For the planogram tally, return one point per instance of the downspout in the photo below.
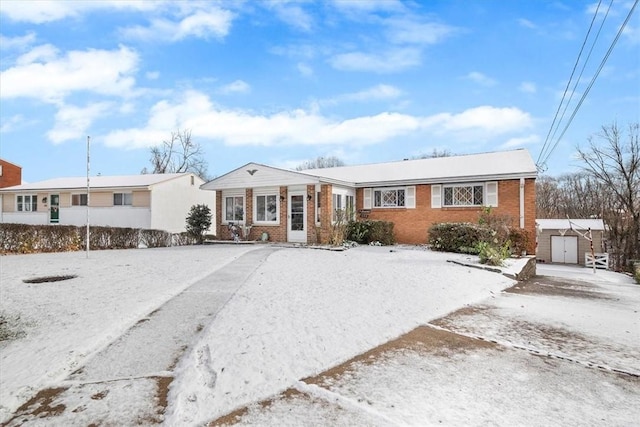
(521, 202)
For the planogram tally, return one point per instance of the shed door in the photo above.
(564, 249)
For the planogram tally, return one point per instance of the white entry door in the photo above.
(564, 249)
(297, 217)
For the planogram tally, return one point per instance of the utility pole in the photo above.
(88, 190)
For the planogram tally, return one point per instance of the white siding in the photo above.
(171, 201)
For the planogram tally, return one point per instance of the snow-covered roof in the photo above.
(484, 166)
(566, 224)
(120, 181)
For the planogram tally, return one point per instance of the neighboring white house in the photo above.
(149, 201)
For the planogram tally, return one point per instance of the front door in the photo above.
(54, 209)
(297, 216)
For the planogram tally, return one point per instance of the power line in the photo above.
(593, 79)
(575, 66)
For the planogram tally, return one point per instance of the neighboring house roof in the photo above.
(566, 224)
(79, 183)
(484, 166)
(8, 162)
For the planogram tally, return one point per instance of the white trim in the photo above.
(367, 195)
(265, 192)
(233, 193)
(466, 184)
(396, 206)
(490, 195)
(521, 202)
(436, 196)
(410, 197)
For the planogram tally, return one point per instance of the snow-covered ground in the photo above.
(291, 315)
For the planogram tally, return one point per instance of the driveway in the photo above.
(562, 348)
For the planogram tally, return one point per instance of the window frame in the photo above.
(386, 189)
(21, 202)
(471, 185)
(275, 193)
(234, 196)
(81, 196)
(123, 196)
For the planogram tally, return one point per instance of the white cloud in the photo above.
(520, 142)
(528, 87)
(483, 120)
(73, 122)
(390, 61)
(203, 24)
(235, 127)
(410, 31)
(375, 93)
(238, 86)
(11, 123)
(527, 24)
(46, 75)
(291, 14)
(19, 42)
(42, 11)
(305, 69)
(481, 79)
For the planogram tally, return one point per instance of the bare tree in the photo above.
(434, 153)
(320, 162)
(178, 154)
(614, 162)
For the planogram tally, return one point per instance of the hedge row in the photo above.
(365, 232)
(25, 238)
(465, 237)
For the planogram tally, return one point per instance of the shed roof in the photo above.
(566, 224)
(120, 181)
(484, 166)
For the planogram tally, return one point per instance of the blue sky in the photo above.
(282, 82)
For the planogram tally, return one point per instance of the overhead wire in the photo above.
(593, 79)
(564, 94)
(545, 155)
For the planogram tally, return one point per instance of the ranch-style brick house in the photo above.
(300, 206)
(149, 201)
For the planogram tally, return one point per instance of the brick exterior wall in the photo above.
(11, 174)
(411, 225)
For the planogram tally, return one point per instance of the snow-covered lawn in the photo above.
(279, 315)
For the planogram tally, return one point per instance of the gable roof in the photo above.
(566, 224)
(257, 175)
(79, 183)
(485, 166)
(481, 167)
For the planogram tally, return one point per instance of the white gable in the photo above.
(255, 175)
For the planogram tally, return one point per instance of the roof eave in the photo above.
(447, 180)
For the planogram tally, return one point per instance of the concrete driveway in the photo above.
(562, 348)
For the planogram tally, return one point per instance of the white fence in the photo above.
(600, 260)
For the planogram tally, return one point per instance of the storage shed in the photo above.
(562, 241)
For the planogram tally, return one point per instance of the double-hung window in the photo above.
(122, 199)
(234, 208)
(266, 208)
(78, 200)
(463, 195)
(389, 198)
(27, 202)
(338, 213)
